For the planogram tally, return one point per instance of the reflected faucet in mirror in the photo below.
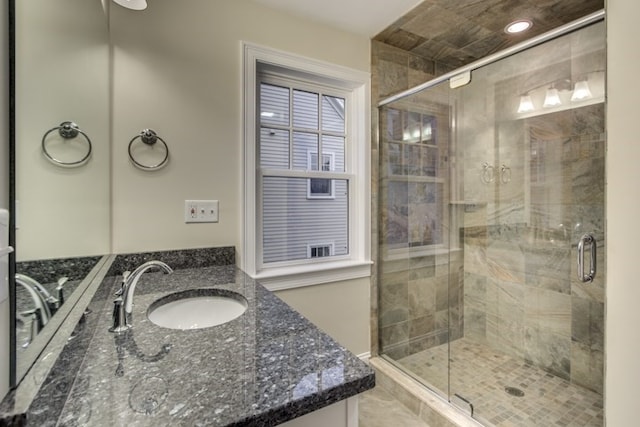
(43, 305)
(126, 342)
(35, 317)
(123, 304)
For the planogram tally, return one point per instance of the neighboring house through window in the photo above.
(320, 188)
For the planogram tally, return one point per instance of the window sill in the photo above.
(276, 279)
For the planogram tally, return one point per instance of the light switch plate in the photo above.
(200, 211)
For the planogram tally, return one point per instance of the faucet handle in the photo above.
(125, 277)
(59, 291)
(35, 315)
(119, 320)
(35, 324)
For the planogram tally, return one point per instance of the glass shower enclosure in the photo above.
(491, 269)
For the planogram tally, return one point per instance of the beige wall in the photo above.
(340, 309)
(178, 70)
(622, 370)
(4, 188)
(62, 74)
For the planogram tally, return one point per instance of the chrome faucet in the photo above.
(53, 303)
(39, 295)
(123, 304)
(39, 315)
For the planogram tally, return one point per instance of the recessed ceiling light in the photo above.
(518, 26)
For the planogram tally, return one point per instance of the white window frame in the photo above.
(357, 165)
(332, 183)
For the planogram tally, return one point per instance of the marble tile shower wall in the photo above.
(392, 70)
(522, 296)
(417, 300)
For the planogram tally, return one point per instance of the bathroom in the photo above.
(189, 93)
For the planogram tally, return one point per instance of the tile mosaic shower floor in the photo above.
(482, 376)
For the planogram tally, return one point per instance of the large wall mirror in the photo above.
(61, 157)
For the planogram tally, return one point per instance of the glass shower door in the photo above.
(413, 274)
(528, 147)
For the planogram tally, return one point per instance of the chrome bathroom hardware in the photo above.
(149, 137)
(68, 131)
(123, 304)
(41, 313)
(467, 402)
(505, 174)
(488, 173)
(587, 239)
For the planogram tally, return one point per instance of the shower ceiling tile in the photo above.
(433, 50)
(404, 39)
(482, 47)
(457, 32)
(421, 64)
(432, 22)
(458, 39)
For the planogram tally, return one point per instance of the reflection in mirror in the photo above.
(42, 288)
(62, 212)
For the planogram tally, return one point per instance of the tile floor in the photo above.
(481, 376)
(377, 408)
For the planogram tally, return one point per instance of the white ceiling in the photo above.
(364, 17)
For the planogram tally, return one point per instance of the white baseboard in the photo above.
(365, 356)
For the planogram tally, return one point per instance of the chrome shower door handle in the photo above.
(587, 239)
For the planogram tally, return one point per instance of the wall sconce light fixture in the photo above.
(552, 98)
(581, 91)
(526, 104)
(558, 94)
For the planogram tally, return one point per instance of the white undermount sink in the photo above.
(197, 308)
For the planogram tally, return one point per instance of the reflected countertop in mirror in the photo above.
(42, 289)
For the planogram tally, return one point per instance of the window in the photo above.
(414, 179)
(297, 121)
(306, 170)
(320, 250)
(319, 188)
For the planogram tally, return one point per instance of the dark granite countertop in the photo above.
(265, 367)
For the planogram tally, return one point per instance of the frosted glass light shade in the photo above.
(552, 98)
(581, 91)
(132, 4)
(526, 104)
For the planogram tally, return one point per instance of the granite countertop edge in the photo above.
(292, 410)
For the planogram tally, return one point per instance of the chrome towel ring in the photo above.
(149, 138)
(68, 131)
(488, 173)
(505, 174)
